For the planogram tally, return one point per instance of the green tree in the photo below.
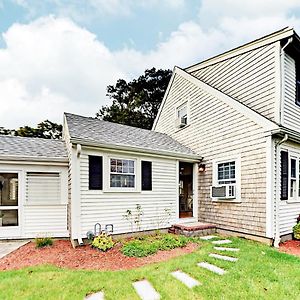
(45, 129)
(136, 103)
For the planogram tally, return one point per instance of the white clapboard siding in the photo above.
(110, 207)
(291, 111)
(43, 188)
(248, 77)
(218, 131)
(45, 220)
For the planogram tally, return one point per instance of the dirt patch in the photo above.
(62, 254)
(290, 247)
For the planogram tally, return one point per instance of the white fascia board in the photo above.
(34, 159)
(248, 112)
(164, 99)
(136, 149)
(243, 49)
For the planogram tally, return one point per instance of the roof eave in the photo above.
(292, 134)
(89, 143)
(33, 159)
(269, 39)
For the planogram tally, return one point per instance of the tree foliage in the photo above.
(45, 129)
(136, 103)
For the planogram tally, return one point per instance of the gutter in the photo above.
(136, 149)
(33, 159)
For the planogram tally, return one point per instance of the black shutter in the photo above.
(146, 175)
(284, 175)
(95, 173)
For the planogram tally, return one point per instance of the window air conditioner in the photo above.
(225, 191)
(180, 122)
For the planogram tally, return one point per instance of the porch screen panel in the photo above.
(284, 163)
(43, 188)
(146, 175)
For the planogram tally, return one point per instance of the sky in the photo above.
(60, 55)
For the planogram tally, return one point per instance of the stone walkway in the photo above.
(146, 291)
(7, 247)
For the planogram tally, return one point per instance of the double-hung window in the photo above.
(182, 115)
(122, 173)
(227, 175)
(293, 178)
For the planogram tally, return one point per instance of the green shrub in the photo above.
(170, 241)
(151, 244)
(139, 248)
(103, 242)
(43, 242)
(296, 231)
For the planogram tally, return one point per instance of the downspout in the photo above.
(78, 154)
(281, 79)
(277, 200)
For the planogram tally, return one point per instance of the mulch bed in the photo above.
(62, 254)
(290, 247)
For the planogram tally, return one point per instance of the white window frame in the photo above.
(237, 184)
(180, 107)
(122, 189)
(296, 156)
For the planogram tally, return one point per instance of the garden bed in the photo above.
(62, 254)
(290, 247)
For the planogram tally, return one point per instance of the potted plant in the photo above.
(296, 229)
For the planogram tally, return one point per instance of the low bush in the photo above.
(103, 242)
(151, 244)
(296, 231)
(41, 242)
(138, 248)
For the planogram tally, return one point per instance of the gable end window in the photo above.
(146, 176)
(122, 173)
(182, 116)
(95, 172)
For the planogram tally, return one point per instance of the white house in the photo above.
(224, 150)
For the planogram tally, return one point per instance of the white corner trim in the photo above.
(248, 112)
(269, 187)
(164, 99)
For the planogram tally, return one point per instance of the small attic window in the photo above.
(181, 116)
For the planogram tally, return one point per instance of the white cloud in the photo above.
(52, 65)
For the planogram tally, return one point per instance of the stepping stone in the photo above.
(185, 279)
(221, 242)
(227, 249)
(145, 290)
(208, 237)
(211, 268)
(95, 296)
(223, 257)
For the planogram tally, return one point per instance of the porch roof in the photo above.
(32, 149)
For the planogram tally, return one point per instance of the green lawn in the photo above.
(260, 273)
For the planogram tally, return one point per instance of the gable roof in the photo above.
(263, 41)
(247, 111)
(94, 132)
(32, 149)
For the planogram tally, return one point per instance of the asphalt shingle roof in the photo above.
(103, 132)
(32, 147)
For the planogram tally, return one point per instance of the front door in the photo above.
(185, 190)
(9, 205)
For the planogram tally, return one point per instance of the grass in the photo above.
(260, 273)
